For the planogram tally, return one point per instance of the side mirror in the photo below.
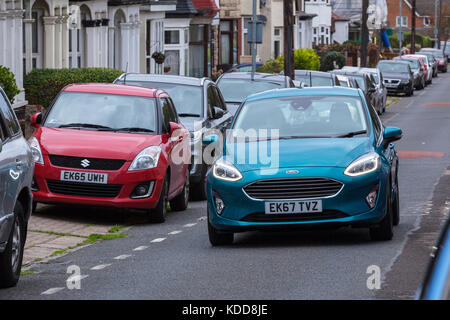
(218, 113)
(372, 90)
(391, 134)
(174, 127)
(212, 138)
(36, 120)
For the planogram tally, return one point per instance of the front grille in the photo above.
(325, 215)
(86, 163)
(293, 188)
(84, 189)
(392, 81)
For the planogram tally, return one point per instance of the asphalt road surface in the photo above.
(174, 260)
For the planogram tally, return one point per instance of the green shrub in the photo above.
(328, 60)
(8, 83)
(306, 59)
(272, 66)
(42, 85)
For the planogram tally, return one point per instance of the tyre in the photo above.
(217, 238)
(396, 207)
(180, 202)
(158, 214)
(384, 231)
(198, 191)
(11, 258)
(33, 209)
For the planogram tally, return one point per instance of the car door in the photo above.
(176, 168)
(382, 88)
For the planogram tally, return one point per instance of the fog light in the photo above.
(34, 185)
(142, 190)
(371, 198)
(219, 204)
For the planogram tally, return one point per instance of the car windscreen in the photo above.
(413, 63)
(321, 81)
(393, 67)
(302, 117)
(375, 76)
(103, 112)
(186, 98)
(236, 90)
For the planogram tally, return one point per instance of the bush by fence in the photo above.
(42, 85)
(8, 83)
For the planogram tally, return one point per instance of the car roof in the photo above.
(310, 91)
(359, 69)
(394, 62)
(258, 76)
(111, 88)
(162, 78)
(349, 73)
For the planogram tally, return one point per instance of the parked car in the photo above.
(236, 86)
(379, 83)
(198, 102)
(431, 60)
(436, 285)
(336, 166)
(446, 49)
(439, 56)
(426, 68)
(416, 68)
(366, 82)
(398, 76)
(244, 67)
(111, 145)
(16, 175)
(427, 63)
(313, 78)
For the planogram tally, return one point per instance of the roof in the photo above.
(313, 73)
(349, 73)
(162, 78)
(258, 76)
(130, 2)
(296, 92)
(393, 62)
(110, 88)
(185, 8)
(208, 7)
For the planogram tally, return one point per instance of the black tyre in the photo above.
(33, 209)
(11, 258)
(396, 207)
(384, 231)
(217, 238)
(180, 202)
(158, 214)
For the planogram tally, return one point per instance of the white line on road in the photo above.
(140, 248)
(175, 232)
(52, 291)
(158, 240)
(101, 266)
(77, 278)
(189, 225)
(122, 257)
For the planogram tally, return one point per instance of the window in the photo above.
(247, 46)
(169, 114)
(172, 37)
(426, 21)
(377, 126)
(9, 115)
(228, 42)
(403, 20)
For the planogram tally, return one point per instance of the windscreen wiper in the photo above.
(84, 125)
(189, 115)
(351, 134)
(134, 129)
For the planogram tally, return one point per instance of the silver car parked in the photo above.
(16, 175)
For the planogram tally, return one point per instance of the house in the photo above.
(321, 23)
(423, 20)
(339, 28)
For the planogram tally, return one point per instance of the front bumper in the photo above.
(347, 207)
(127, 180)
(400, 88)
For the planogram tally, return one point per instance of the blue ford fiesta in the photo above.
(300, 158)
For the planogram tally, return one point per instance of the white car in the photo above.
(428, 65)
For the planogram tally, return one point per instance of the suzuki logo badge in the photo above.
(85, 163)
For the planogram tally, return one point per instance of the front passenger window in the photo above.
(9, 115)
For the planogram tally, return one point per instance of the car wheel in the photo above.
(11, 258)
(396, 208)
(217, 238)
(33, 208)
(180, 202)
(158, 214)
(384, 231)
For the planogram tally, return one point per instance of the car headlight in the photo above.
(36, 150)
(146, 159)
(224, 170)
(365, 164)
(405, 81)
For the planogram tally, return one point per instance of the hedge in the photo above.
(8, 83)
(272, 66)
(306, 59)
(328, 61)
(42, 85)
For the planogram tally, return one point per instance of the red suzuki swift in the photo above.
(111, 145)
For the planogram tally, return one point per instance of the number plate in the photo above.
(289, 207)
(87, 177)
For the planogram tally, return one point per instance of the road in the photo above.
(174, 260)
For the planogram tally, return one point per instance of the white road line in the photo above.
(189, 225)
(52, 291)
(140, 248)
(175, 232)
(77, 278)
(101, 266)
(122, 257)
(158, 240)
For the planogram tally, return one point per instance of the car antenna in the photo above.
(125, 77)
